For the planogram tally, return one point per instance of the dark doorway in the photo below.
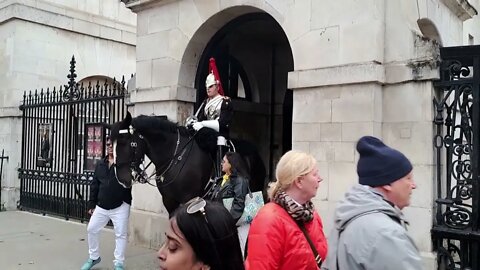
(253, 57)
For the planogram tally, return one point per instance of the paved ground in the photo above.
(30, 241)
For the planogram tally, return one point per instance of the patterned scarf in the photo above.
(300, 213)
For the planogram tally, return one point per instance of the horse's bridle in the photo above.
(177, 156)
(138, 173)
(135, 164)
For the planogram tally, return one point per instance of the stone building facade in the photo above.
(37, 41)
(320, 74)
(309, 75)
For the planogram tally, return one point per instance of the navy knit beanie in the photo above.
(379, 164)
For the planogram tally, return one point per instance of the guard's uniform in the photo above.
(216, 113)
(218, 109)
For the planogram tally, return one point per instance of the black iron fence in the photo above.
(63, 137)
(456, 233)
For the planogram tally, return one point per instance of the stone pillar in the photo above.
(329, 119)
(408, 126)
(158, 91)
(333, 107)
(10, 141)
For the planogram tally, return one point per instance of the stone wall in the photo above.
(38, 39)
(471, 32)
(360, 68)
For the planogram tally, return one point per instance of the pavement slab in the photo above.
(31, 241)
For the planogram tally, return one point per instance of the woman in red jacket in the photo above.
(276, 240)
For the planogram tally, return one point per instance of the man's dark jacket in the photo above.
(105, 191)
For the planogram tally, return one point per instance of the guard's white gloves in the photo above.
(213, 124)
(190, 121)
(197, 126)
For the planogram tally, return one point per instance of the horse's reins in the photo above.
(147, 179)
(171, 160)
(181, 168)
(159, 178)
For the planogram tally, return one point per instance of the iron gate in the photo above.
(456, 234)
(63, 135)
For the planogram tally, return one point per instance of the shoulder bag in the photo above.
(253, 203)
(318, 259)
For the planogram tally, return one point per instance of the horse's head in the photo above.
(129, 148)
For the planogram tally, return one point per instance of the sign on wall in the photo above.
(94, 145)
(44, 145)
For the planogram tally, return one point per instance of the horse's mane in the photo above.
(155, 124)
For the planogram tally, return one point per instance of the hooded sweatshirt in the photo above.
(370, 233)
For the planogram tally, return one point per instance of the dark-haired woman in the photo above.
(234, 185)
(202, 236)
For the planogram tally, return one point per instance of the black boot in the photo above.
(221, 150)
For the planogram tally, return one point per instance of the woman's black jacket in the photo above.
(237, 188)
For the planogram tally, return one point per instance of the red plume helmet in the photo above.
(213, 70)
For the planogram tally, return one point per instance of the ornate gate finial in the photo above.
(71, 90)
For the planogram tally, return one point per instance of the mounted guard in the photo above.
(215, 112)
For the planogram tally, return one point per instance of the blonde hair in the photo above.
(291, 165)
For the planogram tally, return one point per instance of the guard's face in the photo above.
(212, 91)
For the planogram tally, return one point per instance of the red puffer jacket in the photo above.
(275, 242)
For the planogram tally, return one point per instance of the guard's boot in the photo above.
(221, 150)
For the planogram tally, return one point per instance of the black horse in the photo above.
(183, 166)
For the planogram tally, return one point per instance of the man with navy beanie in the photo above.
(370, 230)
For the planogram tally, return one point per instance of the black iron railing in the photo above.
(456, 232)
(54, 172)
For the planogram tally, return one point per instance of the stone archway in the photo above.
(171, 40)
(254, 57)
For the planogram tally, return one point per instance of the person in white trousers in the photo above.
(108, 201)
